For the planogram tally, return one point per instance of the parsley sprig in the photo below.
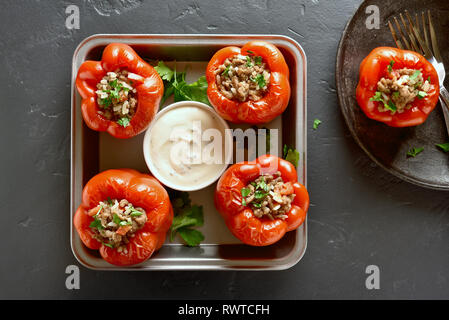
(291, 155)
(187, 216)
(176, 85)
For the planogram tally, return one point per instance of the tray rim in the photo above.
(338, 67)
(293, 257)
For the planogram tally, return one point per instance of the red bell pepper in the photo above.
(376, 66)
(148, 84)
(255, 112)
(142, 190)
(240, 219)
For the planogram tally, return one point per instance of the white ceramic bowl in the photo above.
(148, 154)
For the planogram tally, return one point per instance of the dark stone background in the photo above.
(360, 215)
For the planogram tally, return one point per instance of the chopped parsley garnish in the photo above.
(248, 62)
(391, 106)
(96, 223)
(388, 105)
(415, 75)
(164, 72)
(413, 152)
(260, 80)
(108, 245)
(291, 155)
(106, 102)
(443, 146)
(116, 219)
(110, 202)
(250, 52)
(226, 71)
(186, 217)
(124, 122)
(245, 192)
(396, 94)
(390, 66)
(422, 94)
(258, 60)
(428, 79)
(316, 123)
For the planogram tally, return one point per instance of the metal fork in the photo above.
(423, 46)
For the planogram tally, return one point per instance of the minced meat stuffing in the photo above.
(117, 97)
(269, 196)
(115, 222)
(400, 88)
(243, 78)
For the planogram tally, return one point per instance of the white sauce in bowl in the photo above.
(185, 146)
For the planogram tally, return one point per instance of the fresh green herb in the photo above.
(226, 71)
(108, 245)
(258, 60)
(422, 94)
(106, 102)
(443, 146)
(250, 52)
(396, 94)
(417, 85)
(248, 62)
(124, 122)
(110, 202)
(136, 213)
(415, 75)
(175, 84)
(263, 185)
(428, 79)
(413, 152)
(192, 237)
(291, 155)
(125, 223)
(245, 192)
(113, 83)
(257, 204)
(391, 106)
(388, 105)
(116, 219)
(260, 80)
(258, 194)
(377, 97)
(114, 94)
(164, 72)
(316, 123)
(96, 223)
(186, 217)
(390, 66)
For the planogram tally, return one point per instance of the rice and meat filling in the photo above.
(117, 97)
(115, 222)
(269, 196)
(243, 78)
(400, 88)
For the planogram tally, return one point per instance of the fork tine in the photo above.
(416, 32)
(424, 27)
(404, 39)
(393, 33)
(433, 37)
(410, 32)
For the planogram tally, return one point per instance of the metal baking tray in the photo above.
(93, 152)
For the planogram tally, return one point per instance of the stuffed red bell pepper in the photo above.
(397, 87)
(248, 84)
(261, 200)
(125, 214)
(121, 93)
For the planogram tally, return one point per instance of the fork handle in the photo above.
(444, 97)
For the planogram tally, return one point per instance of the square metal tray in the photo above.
(93, 152)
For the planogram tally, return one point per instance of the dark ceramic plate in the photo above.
(388, 146)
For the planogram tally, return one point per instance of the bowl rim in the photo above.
(147, 148)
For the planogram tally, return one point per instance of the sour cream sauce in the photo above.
(183, 146)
